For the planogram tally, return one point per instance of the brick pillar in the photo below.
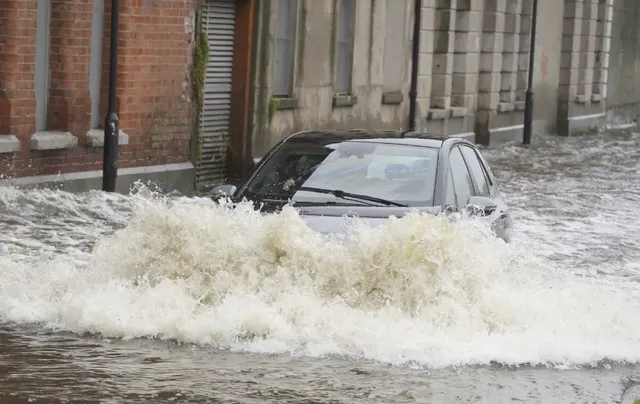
(490, 67)
(17, 66)
(153, 91)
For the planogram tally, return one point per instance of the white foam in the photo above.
(419, 289)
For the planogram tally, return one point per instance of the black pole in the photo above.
(111, 131)
(528, 103)
(415, 68)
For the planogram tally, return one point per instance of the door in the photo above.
(218, 24)
(483, 186)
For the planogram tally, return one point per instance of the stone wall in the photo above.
(624, 70)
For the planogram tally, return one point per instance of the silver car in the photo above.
(328, 175)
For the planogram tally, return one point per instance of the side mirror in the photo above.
(223, 190)
(480, 205)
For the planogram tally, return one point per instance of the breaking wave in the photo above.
(421, 289)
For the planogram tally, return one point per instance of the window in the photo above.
(477, 172)
(95, 71)
(450, 196)
(400, 173)
(284, 48)
(461, 177)
(394, 45)
(41, 76)
(344, 45)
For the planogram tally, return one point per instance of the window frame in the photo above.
(272, 161)
(473, 189)
(482, 168)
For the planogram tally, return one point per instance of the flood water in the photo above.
(144, 298)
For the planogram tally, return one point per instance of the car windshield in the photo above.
(400, 174)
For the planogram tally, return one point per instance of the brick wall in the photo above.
(17, 60)
(153, 91)
(70, 48)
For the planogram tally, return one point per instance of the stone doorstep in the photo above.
(95, 138)
(52, 140)
(9, 144)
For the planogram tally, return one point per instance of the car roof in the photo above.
(409, 138)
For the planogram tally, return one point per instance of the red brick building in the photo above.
(54, 62)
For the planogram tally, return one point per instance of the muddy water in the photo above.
(114, 299)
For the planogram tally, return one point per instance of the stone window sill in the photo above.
(438, 114)
(459, 112)
(340, 100)
(52, 140)
(286, 103)
(95, 138)
(392, 98)
(582, 99)
(9, 144)
(506, 107)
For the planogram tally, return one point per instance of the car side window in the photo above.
(450, 196)
(477, 172)
(462, 182)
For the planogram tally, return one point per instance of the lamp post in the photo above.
(528, 103)
(111, 130)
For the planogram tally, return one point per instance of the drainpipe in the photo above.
(528, 103)
(111, 130)
(415, 56)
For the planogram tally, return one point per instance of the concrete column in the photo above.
(443, 52)
(423, 100)
(576, 112)
(570, 56)
(510, 50)
(587, 50)
(602, 49)
(466, 56)
(490, 66)
(526, 12)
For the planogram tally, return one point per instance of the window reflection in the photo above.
(400, 173)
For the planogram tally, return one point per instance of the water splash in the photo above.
(420, 289)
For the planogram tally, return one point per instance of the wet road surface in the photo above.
(244, 312)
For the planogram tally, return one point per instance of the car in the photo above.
(328, 175)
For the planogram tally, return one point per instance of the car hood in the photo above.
(331, 220)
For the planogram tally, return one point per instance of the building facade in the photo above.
(54, 61)
(323, 64)
(204, 87)
(473, 66)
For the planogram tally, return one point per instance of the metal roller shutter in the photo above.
(218, 23)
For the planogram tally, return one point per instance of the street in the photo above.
(250, 309)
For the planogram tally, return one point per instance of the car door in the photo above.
(483, 186)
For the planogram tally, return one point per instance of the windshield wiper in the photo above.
(347, 195)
